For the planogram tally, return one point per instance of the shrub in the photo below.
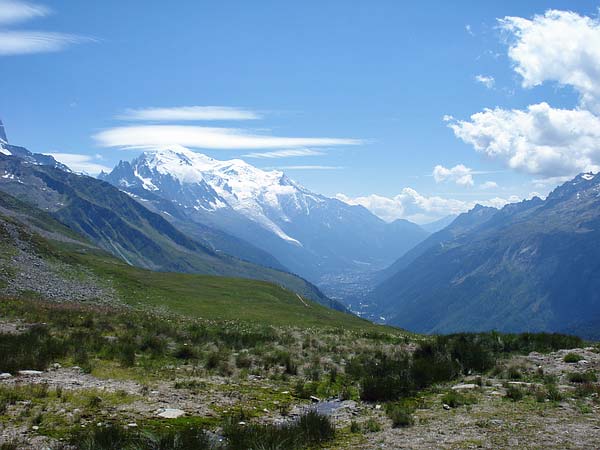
(514, 373)
(572, 358)
(554, 394)
(578, 377)
(212, 360)
(243, 361)
(10, 445)
(400, 415)
(111, 437)
(311, 429)
(540, 395)
(587, 390)
(185, 352)
(186, 438)
(455, 399)
(34, 349)
(116, 437)
(372, 426)
(515, 393)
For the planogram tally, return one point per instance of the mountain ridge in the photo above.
(526, 267)
(311, 234)
(124, 227)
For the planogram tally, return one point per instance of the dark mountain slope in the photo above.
(530, 266)
(462, 224)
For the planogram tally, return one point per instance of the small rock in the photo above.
(35, 428)
(377, 406)
(315, 399)
(5, 375)
(241, 423)
(30, 372)
(132, 425)
(56, 366)
(446, 407)
(460, 387)
(171, 413)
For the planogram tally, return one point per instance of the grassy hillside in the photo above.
(55, 255)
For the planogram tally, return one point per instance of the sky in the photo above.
(415, 110)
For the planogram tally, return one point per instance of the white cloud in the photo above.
(487, 81)
(13, 11)
(560, 46)
(552, 143)
(460, 174)
(541, 140)
(152, 136)
(81, 163)
(308, 168)
(284, 154)
(489, 185)
(469, 30)
(27, 42)
(23, 42)
(411, 205)
(190, 113)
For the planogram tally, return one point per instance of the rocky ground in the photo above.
(23, 271)
(489, 419)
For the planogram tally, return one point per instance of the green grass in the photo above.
(195, 296)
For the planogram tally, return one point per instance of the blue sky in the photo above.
(378, 76)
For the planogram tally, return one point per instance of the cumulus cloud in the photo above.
(190, 113)
(487, 81)
(560, 46)
(81, 163)
(459, 174)
(552, 143)
(12, 11)
(22, 42)
(418, 208)
(152, 136)
(540, 140)
(489, 185)
(284, 153)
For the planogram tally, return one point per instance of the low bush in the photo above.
(401, 415)
(34, 349)
(514, 393)
(311, 429)
(116, 437)
(582, 377)
(572, 358)
(455, 399)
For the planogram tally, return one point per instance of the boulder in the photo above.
(171, 413)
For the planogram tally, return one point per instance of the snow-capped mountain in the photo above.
(3, 139)
(7, 149)
(311, 234)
